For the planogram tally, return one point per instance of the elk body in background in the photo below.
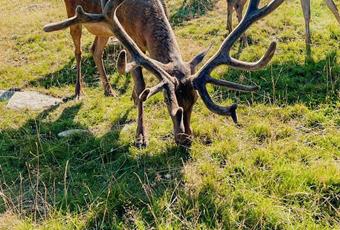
(238, 6)
(102, 35)
(142, 26)
(306, 13)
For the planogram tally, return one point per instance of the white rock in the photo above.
(32, 101)
(71, 132)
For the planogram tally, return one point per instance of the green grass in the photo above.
(278, 170)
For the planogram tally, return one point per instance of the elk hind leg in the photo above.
(97, 51)
(75, 32)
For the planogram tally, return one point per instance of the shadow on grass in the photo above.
(41, 172)
(311, 83)
(67, 74)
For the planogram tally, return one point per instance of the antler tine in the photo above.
(148, 92)
(80, 17)
(222, 56)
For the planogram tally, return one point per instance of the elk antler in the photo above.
(80, 17)
(222, 57)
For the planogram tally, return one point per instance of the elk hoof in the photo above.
(184, 140)
(110, 93)
(141, 143)
(79, 95)
(233, 113)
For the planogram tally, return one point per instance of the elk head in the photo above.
(178, 81)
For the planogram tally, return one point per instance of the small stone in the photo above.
(32, 101)
(71, 132)
(5, 95)
(167, 176)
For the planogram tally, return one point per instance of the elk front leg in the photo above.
(139, 86)
(306, 13)
(75, 32)
(97, 51)
(230, 9)
(187, 126)
(331, 5)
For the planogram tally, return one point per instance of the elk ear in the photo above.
(123, 66)
(198, 59)
(121, 62)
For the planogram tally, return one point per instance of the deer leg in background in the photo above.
(97, 51)
(75, 32)
(331, 5)
(139, 86)
(230, 8)
(306, 13)
(239, 9)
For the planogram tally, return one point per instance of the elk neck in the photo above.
(149, 27)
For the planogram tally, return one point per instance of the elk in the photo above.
(142, 26)
(238, 5)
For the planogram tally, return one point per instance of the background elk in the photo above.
(238, 6)
(142, 26)
(306, 13)
(102, 36)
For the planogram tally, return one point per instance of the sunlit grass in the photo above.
(279, 169)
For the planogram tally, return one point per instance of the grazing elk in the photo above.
(238, 5)
(142, 26)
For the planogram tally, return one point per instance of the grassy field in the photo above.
(280, 169)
